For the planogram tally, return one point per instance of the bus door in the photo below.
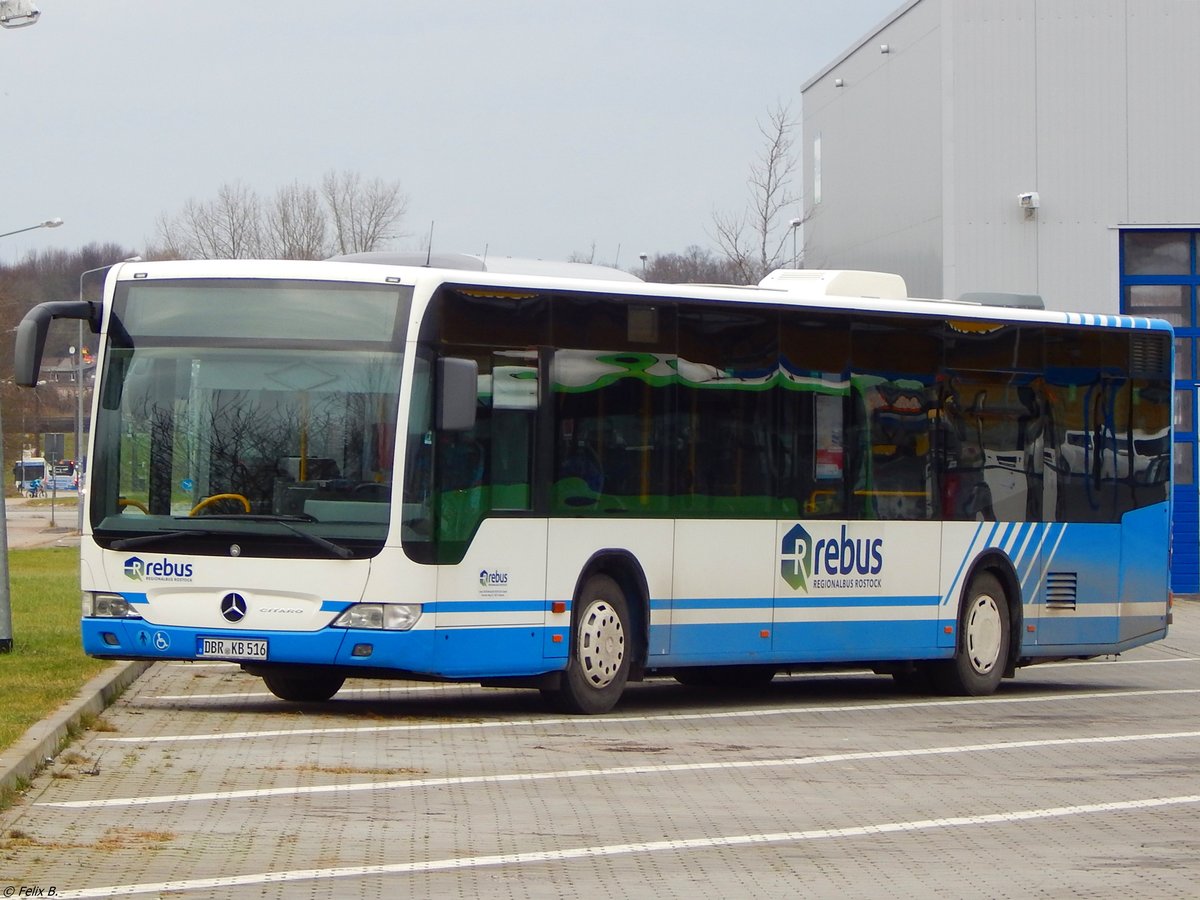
(1144, 483)
(1145, 571)
(492, 581)
(723, 589)
(1081, 550)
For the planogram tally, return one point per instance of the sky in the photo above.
(528, 128)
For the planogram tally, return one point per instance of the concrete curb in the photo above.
(41, 743)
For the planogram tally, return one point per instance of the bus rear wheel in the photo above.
(983, 642)
(305, 687)
(599, 659)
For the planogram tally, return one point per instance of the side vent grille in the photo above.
(1150, 356)
(1062, 590)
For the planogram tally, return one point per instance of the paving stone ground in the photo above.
(1077, 779)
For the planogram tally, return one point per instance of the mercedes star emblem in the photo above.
(233, 607)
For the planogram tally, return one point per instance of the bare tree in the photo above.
(578, 256)
(347, 214)
(229, 227)
(363, 212)
(52, 274)
(696, 265)
(296, 225)
(753, 241)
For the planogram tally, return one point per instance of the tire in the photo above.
(984, 637)
(600, 656)
(303, 688)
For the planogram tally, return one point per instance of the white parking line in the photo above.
(392, 691)
(1113, 661)
(593, 721)
(535, 857)
(203, 665)
(616, 771)
(397, 690)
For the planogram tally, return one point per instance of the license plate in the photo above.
(232, 648)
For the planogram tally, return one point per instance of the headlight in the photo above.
(380, 616)
(107, 606)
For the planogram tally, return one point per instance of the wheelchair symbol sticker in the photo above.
(162, 641)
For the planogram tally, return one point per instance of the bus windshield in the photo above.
(260, 410)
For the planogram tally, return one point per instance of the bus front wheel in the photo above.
(983, 642)
(599, 660)
(303, 687)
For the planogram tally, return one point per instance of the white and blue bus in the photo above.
(563, 478)
(28, 474)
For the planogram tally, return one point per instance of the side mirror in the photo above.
(458, 389)
(31, 334)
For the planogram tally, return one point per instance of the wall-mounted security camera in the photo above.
(1029, 200)
(18, 13)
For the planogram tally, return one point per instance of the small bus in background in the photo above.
(28, 471)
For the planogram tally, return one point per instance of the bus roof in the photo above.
(503, 265)
(836, 289)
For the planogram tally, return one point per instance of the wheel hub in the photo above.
(984, 637)
(601, 644)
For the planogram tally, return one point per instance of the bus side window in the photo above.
(816, 431)
(894, 368)
(1088, 395)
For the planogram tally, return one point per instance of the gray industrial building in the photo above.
(1029, 146)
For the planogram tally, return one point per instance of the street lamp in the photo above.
(49, 223)
(795, 223)
(643, 257)
(6, 632)
(18, 13)
(13, 14)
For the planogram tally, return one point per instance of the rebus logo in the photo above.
(803, 560)
(137, 569)
(133, 568)
(488, 579)
(796, 563)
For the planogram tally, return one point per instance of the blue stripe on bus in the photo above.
(967, 557)
(742, 642)
(139, 638)
(1006, 537)
(482, 653)
(1027, 563)
(1019, 545)
(1055, 533)
(767, 603)
(723, 603)
(461, 606)
(858, 602)
(495, 652)
(1031, 546)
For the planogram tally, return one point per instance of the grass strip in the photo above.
(47, 665)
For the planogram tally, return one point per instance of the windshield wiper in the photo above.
(337, 550)
(286, 521)
(141, 539)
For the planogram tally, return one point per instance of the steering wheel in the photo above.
(208, 501)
